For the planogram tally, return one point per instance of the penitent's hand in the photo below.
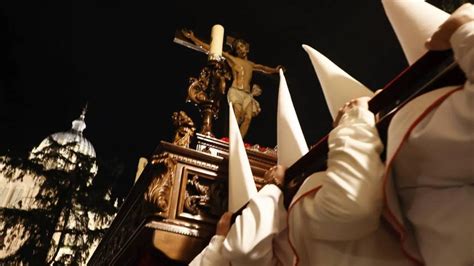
(362, 102)
(223, 226)
(441, 38)
(275, 175)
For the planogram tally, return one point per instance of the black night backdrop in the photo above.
(120, 58)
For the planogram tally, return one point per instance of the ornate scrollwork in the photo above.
(159, 190)
(192, 203)
(207, 91)
(205, 197)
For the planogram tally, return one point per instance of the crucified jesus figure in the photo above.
(242, 69)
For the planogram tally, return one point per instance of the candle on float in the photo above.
(217, 40)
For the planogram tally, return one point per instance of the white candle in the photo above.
(217, 40)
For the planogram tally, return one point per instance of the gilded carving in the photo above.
(184, 129)
(195, 162)
(159, 191)
(192, 203)
(205, 197)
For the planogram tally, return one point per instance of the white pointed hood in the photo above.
(290, 139)
(241, 183)
(413, 21)
(338, 86)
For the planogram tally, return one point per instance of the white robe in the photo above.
(334, 218)
(258, 236)
(430, 172)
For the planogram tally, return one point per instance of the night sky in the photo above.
(119, 56)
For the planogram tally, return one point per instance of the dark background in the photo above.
(119, 56)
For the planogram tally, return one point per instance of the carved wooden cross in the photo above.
(179, 38)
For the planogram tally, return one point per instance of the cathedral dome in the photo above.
(66, 145)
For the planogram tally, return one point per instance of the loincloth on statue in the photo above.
(236, 95)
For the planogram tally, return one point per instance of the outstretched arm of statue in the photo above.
(268, 70)
(190, 35)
